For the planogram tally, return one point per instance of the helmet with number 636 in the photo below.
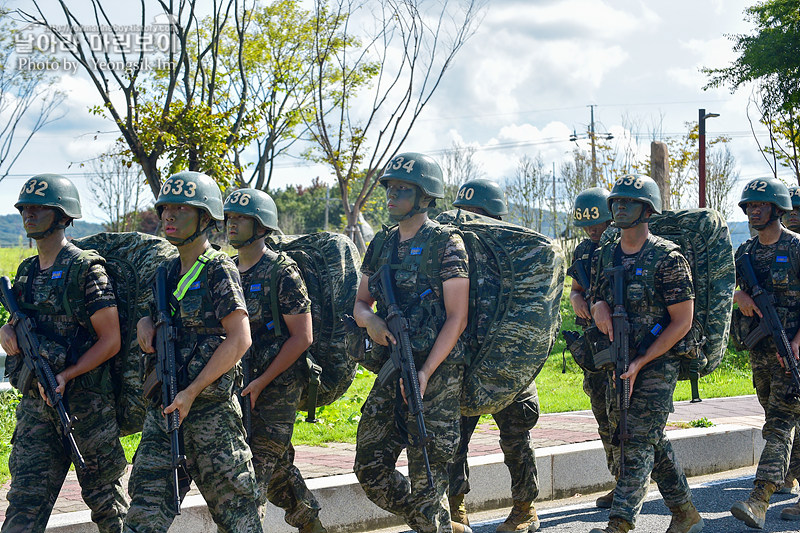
(637, 187)
(482, 193)
(253, 203)
(51, 190)
(192, 188)
(591, 207)
(419, 169)
(769, 190)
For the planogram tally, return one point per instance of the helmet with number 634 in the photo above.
(768, 190)
(192, 188)
(591, 207)
(419, 169)
(482, 193)
(637, 187)
(253, 203)
(51, 190)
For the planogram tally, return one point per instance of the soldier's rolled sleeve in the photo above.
(674, 279)
(365, 266)
(225, 285)
(98, 290)
(292, 292)
(454, 260)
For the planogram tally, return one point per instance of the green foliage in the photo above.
(701, 423)
(302, 209)
(8, 406)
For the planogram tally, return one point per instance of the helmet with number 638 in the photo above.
(192, 188)
(51, 190)
(253, 203)
(482, 193)
(591, 207)
(768, 190)
(637, 187)
(419, 169)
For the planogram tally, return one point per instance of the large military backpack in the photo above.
(703, 238)
(331, 268)
(516, 281)
(131, 260)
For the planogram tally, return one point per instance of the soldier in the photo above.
(436, 307)
(593, 216)
(77, 344)
(274, 360)
(791, 219)
(485, 197)
(213, 334)
(653, 375)
(775, 256)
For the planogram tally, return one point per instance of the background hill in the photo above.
(13, 234)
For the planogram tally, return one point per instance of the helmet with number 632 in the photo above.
(419, 169)
(482, 193)
(51, 190)
(769, 190)
(192, 188)
(637, 187)
(591, 207)
(253, 203)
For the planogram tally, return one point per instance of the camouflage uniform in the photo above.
(217, 455)
(273, 417)
(39, 460)
(777, 268)
(648, 451)
(379, 440)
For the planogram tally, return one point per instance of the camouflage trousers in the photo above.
(515, 423)
(279, 480)
(595, 385)
(781, 416)
(648, 451)
(383, 434)
(217, 459)
(39, 460)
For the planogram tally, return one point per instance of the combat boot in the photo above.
(521, 518)
(615, 525)
(790, 486)
(460, 528)
(792, 512)
(605, 501)
(685, 519)
(315, 526)
(753, 512)
(458, 511)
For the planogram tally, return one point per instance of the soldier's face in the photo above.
(595, 231)
(179, 221)
(626, 212)
(239, 227)
(37, 218)
(400, 197)
(758, 214)
(792, 219)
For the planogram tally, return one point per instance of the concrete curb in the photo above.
(563, 471)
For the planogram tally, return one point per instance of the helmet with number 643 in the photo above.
(591, 207)
(768, 190)
(192, 188)
(637, 187)
(253, 203)
(419, 169)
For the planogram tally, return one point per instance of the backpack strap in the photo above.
(193, 273)
(378, 243)
(273, 296)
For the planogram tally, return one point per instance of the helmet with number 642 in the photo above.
(637, 187)
(768, 190)
(192, 188)
(253, 203)
(591, 207)
(419, 169)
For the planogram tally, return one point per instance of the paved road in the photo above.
(713, 495)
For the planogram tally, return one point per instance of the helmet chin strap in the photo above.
(253, 238)
(773, 216)
(55, 225)
(418, 196)
(643, 217)
(193, 236)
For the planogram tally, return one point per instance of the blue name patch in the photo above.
(271, 325)
(255, 287)
(416, 251)
(781, 259)
(193, 286)
(57, 275)
(638, 271)
(656, 329)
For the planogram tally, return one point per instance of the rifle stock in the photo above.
(29, 346)
(244, 401)
(620, 355)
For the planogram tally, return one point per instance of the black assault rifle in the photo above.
(620, 355)
(401, 363)
(244, 401)
(25, 328)
(769, 325)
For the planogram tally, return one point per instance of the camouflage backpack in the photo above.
(516, 281)
(331, 268)
(703, 238)
(131, 261)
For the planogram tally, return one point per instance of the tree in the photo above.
(459, 166)
(783, 146)
(722, 176)
(28, 101)
(119, 190)
(383, 81)
(527, 192)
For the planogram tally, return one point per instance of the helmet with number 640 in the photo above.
(192, 188)
(482, 193)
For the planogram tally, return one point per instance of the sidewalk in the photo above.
(555, 429)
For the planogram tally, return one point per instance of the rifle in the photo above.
(769, 325)
(25, 328)
(167, 376)
(578, 272)
(620, 353)
(401, 362)
(244, 401)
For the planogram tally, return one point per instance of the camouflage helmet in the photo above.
(253, 203)
(419, 169)
(591, 207)
(794, 194)
(51, 190)
(192, 188)
(482, 193)
(766, 190)
(637, 187)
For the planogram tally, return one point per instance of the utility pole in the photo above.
(555, 216)
(327, 204)
(594, 148)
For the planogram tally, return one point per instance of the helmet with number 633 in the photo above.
(768, 190)
(51, 190)
(419, 169)
(637, 187)
(192, 188)
(482, 193)
(591, 207)
(253, 203)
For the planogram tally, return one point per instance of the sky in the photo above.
(521, 85)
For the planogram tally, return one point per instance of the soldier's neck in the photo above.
(632, 239)
(409, 227)
(770, 234)
(251, 254)
(190, 252)
(49, 247)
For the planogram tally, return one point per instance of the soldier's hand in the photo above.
(254, 389)
(43, 394)
(183, 403)
(8, 340)
(379, 332)
(601, 313)
(62, 383)
(145, 333)
(633, 371)
(747, 306)
(580, 306)
(423, 384)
